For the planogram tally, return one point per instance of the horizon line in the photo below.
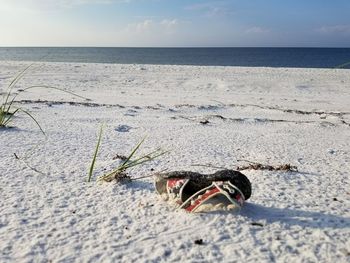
(150, 47)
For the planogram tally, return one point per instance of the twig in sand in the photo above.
(259, 166)
(26, 164)
(255, 166)
(120, 157)
(210, 166)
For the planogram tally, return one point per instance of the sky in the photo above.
(175, 23)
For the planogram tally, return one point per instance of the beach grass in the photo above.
(7, 109)
(120, 172)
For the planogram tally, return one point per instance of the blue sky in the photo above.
(301, 23)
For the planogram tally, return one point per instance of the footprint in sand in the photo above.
(303, 87)
(131, 112)
(123, 128)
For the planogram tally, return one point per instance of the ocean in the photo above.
(248, 57)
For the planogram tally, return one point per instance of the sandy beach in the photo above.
(218, 116)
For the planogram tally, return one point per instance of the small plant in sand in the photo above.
(7, 109)
(120, 172)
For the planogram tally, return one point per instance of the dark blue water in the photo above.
(251, 57)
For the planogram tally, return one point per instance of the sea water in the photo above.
(248, 57)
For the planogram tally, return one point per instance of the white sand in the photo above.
(273, 116)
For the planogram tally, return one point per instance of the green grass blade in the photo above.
(147, 160)
(50, 87)
(95, 154)
(14, 82)
(5, 108)
(128, 163)
(31, 116)
(6, 120)
(133, 151)
(2, 117)
(19, 75)
(55, 88)
(9, 106)
(146, 156)
(139, 161)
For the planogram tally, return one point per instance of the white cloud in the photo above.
(169, 23)
(149, 25)
(211, 9)
(144, 25)
(336, 29)
(150, 32)
(257, 30)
